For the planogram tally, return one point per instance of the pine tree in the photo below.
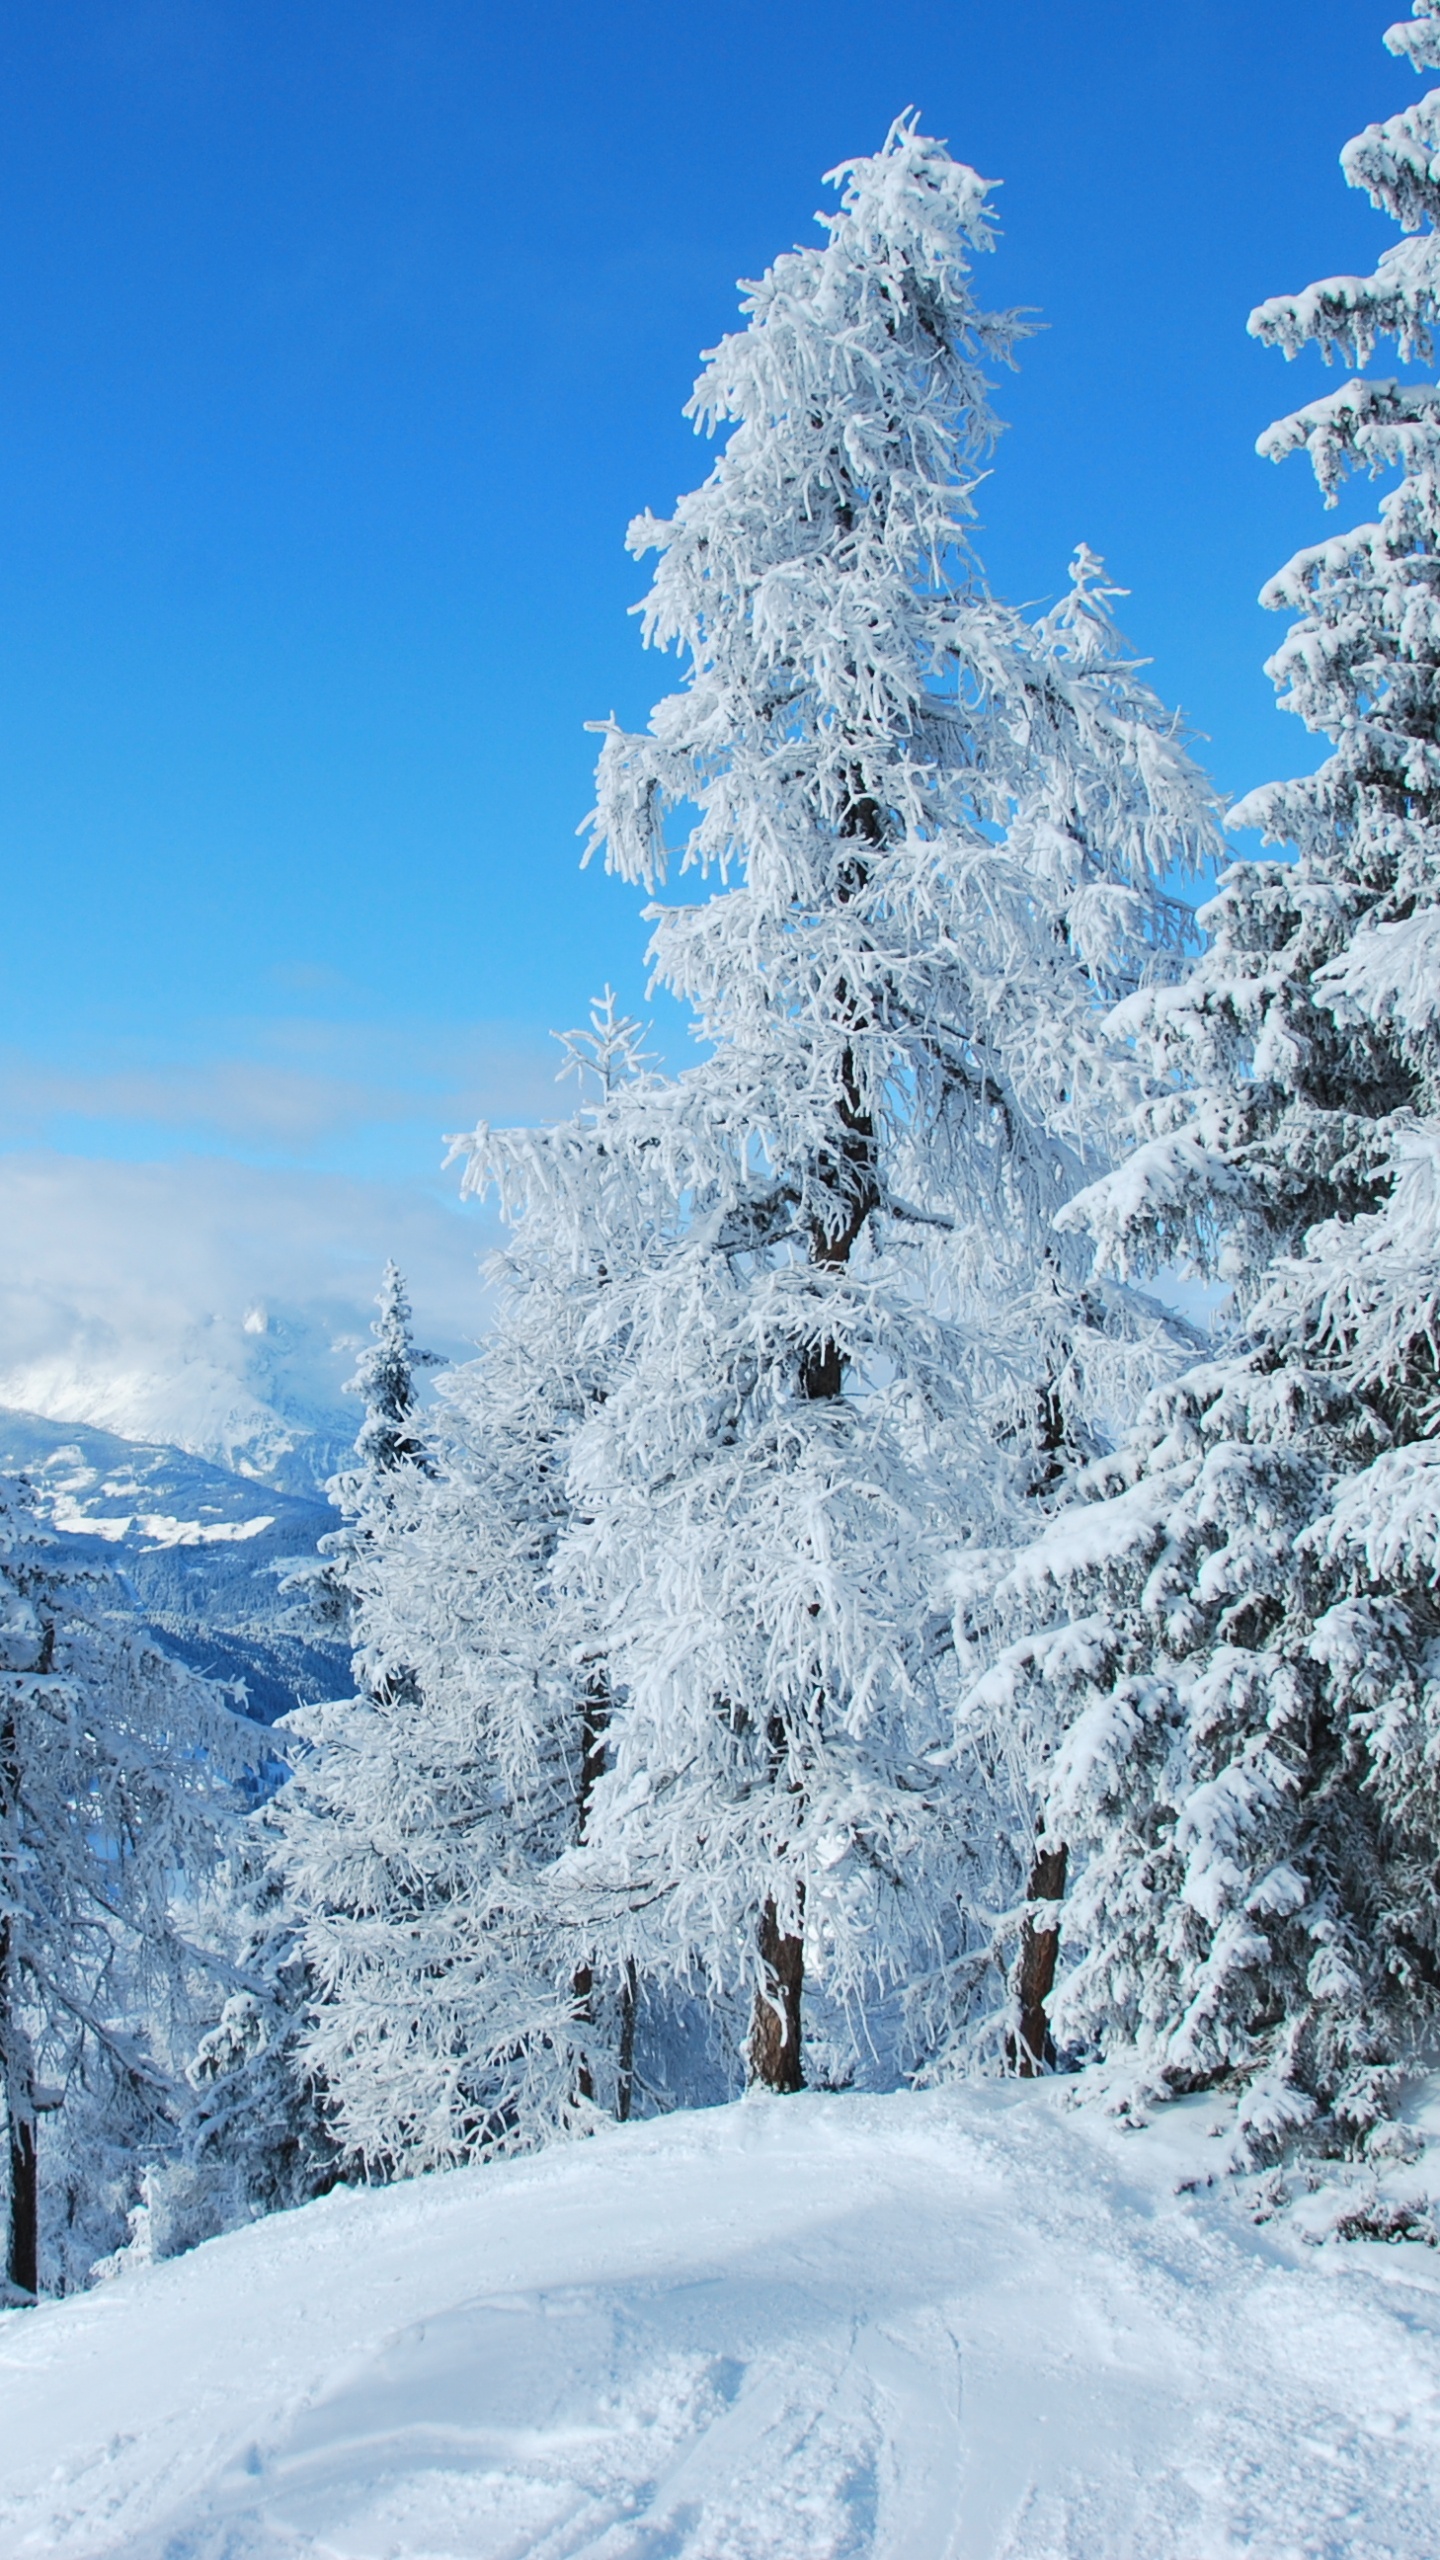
(116, 1775)
(392, 1460)
(950, 829)
(389, 1435)
(389, 1438)
(258, 2132)
(1240, 1625)
(457, 2010)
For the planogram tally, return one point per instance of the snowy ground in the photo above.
(964, 2324)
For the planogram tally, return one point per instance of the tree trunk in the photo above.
(582, 1985)
(1051, 1438)
(775, 2025)
(594, 1716)
(22, 2258)
(625, 2058)
(1032, 2050)
(851, 1176)
(22, 2254)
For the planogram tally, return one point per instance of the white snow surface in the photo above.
(963, 2323)
(157, 1528)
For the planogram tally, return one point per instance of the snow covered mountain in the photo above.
(969, 2325)
(259, 1394)
(203, 1549)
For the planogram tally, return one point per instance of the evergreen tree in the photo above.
(1240, 1624)
(457, 2007)
(951, 828)
(258, 2133)
(116, 1774)
(391, 1457)
(389, 1435)
(389, 1438)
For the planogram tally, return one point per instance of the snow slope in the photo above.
(968, 2323)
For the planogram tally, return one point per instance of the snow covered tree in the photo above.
(951, 830)
(257, 2134)
(389, 1438)
(388, 1447)
(116, 1780)
(455, 2012)
(1241, 1624)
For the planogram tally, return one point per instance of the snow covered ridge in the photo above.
(935, 2327)
(197, 1406)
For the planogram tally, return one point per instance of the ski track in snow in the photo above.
(972, 2325)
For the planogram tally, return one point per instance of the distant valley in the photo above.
(203, 1550)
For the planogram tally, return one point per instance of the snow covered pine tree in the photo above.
(951, 828)
(116, 1778)
(384, 1380)
(458, 2013)
(388, 1440)
(1241, 1627)
(258, 2135)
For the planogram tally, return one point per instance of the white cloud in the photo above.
(194, 1231)
(214, 1304)
(299, 1085)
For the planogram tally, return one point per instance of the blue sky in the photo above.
(341, 340)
